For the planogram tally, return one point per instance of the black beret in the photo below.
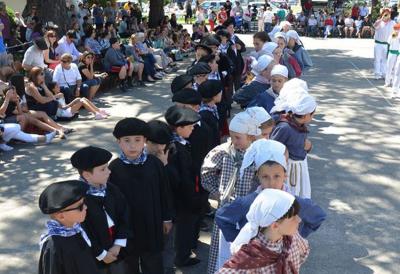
(113, 40)
(180, 82)
(210, 40)
(40, 43)
(205, 47)
(181, 116)
(199, 68)
(60, 195)
(187, 96)
(129, 127)
(223, 32)
(210, 88)
(160, 132)
(90, 157)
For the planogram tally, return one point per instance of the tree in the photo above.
(50, 10)
(156, 13)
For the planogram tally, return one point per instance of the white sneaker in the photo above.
(5, 147)
(104, 112)
(50, 136)
(99, 116)
(378, 77)
(386, 85)
(395, 95)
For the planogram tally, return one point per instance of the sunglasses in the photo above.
(80, 208)
(65, 61)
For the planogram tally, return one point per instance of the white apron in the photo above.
(299, 179)
(224, 251)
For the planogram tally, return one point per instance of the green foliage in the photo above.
(376, 11)
(101, 2)
(10, 13)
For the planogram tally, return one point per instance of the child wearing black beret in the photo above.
(188, 197)
(211, 92)
(141, 177)
(107, 215)
(65, 248)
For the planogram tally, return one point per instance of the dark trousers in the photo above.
(185, 235)
(115, 268)
(145, 263)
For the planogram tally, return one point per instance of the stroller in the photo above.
(239, 23)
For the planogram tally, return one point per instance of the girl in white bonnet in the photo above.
(220, 175)
(295, 108)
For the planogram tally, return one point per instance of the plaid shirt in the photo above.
(217, 169)
(298, 253)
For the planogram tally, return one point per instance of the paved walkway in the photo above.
(354, 166)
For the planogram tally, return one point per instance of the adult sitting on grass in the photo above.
(116, 62)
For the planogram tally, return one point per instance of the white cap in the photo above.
(280, 35)
(264, 150)
(269, 47)
(293, 34)
(269, 206)
(245, 124)
(260, 64)
(280, 70)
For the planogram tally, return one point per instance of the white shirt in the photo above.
(348, 22)
(64, 47)
(268, 15)
(65, 77)
(312, 22)
(383, 30)
(34, 57)
(394, 43)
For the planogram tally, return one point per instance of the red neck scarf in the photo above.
(256, 255)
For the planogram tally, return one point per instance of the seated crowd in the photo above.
(62, 73)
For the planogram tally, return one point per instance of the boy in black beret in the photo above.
(158, 140)
(200, 51)
(188, 204)
(180, 82)
(141, 177)
(200, 73)
(65, 248)
(211, 92)
(107, 215)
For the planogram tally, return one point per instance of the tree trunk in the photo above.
(50, 10)
(156, 13)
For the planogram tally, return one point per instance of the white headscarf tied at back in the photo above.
(294, 98)
(264, 150)
(269, 206)
(269, 48)
(280, 35)
(259, 114)
(294, 35)
(260, 64)
(245, 124)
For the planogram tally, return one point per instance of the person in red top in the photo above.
(308, 6)
(355, 12)
(328, 26)
(222, 16)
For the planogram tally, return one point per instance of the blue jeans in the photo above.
(267, 27)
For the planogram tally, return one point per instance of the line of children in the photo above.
(220, 169)
(266, 99)
(270, 159)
